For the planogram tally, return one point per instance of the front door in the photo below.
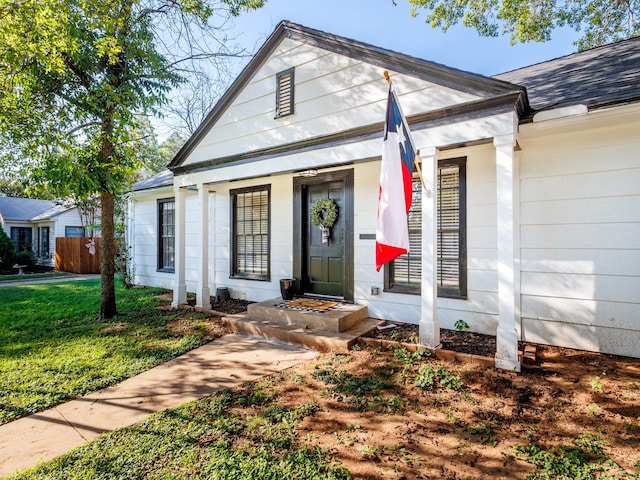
(324, 268)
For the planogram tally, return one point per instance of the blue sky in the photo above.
(380, 23)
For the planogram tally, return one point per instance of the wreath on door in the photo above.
(324, 213)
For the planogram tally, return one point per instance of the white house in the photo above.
(34, 224)
(536, 220)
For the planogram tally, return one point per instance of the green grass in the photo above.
(53, 347)
(214, 438)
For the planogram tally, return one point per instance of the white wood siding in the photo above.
(580, 225)
(144, 240)
(332, 93)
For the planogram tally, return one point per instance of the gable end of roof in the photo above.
(405, 64)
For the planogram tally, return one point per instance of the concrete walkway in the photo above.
(223, 363)
(70, 277)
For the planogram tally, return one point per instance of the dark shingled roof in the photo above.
(159, 180)
(27, 209)
(598, 77)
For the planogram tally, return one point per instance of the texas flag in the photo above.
(394, 198)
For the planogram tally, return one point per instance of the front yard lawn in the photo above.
(387, 415)
(53, 347)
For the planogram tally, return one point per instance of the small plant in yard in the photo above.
(353, 427)
(404, 356)
(485, 432)
(370, 452)
(429, 378)
(413, 338)
(594, 409)
(389, 405)
(596, 385)
(461, 325)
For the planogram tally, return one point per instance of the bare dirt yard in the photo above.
(396, 415)
(388, 413)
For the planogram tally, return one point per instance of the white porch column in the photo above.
(203, 295)
(429, 331)
(507, 187)
(180, 286)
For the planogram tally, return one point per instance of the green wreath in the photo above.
(324, 213)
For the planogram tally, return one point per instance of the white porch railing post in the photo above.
(506, 185)
(429, 328)
(180, 287)
(203, 295)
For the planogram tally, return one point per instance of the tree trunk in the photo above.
(107, 267)
(107, 204)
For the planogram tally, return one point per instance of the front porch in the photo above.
(332, 326)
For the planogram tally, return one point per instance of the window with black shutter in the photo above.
(284, 93)
(403, 275)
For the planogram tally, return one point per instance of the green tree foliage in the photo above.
(154, 156)
(75, 76)
(168, 150)
(7, 251)
(601, 21)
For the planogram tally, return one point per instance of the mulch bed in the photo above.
(457, 341)
(231, 306)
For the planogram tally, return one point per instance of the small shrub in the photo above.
(27, 258)
(7, 251)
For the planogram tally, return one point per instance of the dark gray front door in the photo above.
(325, 261)
(325, 268)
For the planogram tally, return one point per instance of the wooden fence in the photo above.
(72, 255)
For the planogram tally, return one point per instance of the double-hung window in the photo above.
(250, 236)
(403, 275)
(166, 235)
(21, 237)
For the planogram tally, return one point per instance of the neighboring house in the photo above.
(538, 205)
(34, 225)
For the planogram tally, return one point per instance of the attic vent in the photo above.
(284, 93)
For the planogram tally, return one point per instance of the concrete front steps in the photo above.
(335, 330)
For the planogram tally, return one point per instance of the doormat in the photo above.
(309, 305)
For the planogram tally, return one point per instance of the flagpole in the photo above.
(415, 160)
(419, 169)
